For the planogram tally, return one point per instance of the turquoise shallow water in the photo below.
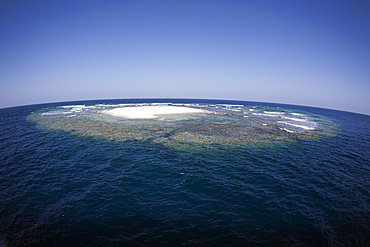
(61, 189)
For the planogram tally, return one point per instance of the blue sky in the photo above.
(314, 53)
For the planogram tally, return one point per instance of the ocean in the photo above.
(254, 174)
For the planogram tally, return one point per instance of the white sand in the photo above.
(151, 111)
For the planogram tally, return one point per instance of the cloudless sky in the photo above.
(303, 52)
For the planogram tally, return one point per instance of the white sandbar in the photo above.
(150, 111)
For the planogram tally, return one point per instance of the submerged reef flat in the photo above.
(185, 125)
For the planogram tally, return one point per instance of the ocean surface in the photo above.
(63, 187)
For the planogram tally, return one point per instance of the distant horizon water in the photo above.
(167, 99)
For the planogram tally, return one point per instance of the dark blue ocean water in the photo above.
(58, 189)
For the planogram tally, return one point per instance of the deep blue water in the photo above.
(58, 189)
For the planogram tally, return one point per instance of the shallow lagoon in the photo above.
(186, 125)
